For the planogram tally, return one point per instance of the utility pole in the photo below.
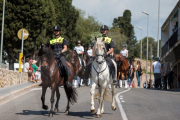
(150, 65)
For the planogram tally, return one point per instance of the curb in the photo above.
(17, 91)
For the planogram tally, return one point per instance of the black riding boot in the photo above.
(66, 78)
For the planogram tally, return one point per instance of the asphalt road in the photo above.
(137, 104)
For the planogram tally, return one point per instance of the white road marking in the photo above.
(121, 98)
(122, 101)
(123, 114)
(37, 89)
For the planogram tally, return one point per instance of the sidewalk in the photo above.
(14, 89)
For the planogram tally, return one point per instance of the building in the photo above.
(170, 40)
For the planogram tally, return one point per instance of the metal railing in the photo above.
(169, 44)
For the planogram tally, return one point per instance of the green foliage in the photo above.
(144, 47)
(126, 29)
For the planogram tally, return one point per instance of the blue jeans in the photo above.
(137, 76)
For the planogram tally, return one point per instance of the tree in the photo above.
(126, 29)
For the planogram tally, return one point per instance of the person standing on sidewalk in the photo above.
(156, 67)
(165, 72)
(132, 73)
(138, 69)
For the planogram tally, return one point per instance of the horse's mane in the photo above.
(99, 42)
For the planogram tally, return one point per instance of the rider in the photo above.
(80, 51)
(59, 47)
(89, 52)
(109, 44)
(124, 53)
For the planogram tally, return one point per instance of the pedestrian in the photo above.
(26, 65)
(132, 73)
(35, 68)
(30, 71)
(138, 73)
(165, 72)
(170, 79)
(178, 80)
(156, 67)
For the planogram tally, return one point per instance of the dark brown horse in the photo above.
(123, 69)
(76, 65)
(52, 78)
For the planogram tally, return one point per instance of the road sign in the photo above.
(20, 61)
(26, 34)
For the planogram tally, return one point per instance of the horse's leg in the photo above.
(68, 99)
(92, 91)
(102, 108)
(113, 106)
(53, 89)
(101, 91)
(57, 101)
(44, 88)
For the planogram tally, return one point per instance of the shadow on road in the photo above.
(167, 90)
(85, 114)
(30, 112)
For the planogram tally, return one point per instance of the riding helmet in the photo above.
(104, 27)
(56, 28)
(90, 45)
(78, 42)
(123, 45)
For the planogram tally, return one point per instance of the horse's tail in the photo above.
(71, 94)
(106, 95)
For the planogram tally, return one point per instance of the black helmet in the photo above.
(78, 42)
(123, 45)
(90, 45)
(104, 27)
(56, 28)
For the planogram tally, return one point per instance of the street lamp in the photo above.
(2, 33)
(158, 30)
(147, 46)
(141, 48)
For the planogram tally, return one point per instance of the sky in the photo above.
(106, 10)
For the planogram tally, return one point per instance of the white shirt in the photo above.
(131, 66)
(156, 65)
(89, 52)
(124, 52)
(79, 49)
(26, 65)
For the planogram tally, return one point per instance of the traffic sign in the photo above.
(26, 34)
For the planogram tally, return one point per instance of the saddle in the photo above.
(81, 62)
(62, 69)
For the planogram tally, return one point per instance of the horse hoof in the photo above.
(113, 108)
(93, 111)
(66, 112)
(56, 110)
(50, 113)
(45, 107)
(98, 116)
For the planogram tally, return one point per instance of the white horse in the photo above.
(101, 77)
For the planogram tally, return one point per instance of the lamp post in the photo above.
(141, 48)
(147, 46)
(2, 33)
(158, 30)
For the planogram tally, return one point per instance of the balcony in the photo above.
(169, 44)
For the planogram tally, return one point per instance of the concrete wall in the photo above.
(9, 77)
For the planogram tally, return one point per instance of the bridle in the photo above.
(47, 66)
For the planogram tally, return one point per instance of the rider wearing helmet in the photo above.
(109, 44)
(58, 46)
(80, 51)
(89, 52)
(124, 53)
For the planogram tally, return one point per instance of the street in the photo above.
(137, 104)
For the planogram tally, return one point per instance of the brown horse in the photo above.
(123, 69)
(76, 65)
(52, 78)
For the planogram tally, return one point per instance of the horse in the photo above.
(51, 77)
(101, 76)
(123, 69)
(76, 65)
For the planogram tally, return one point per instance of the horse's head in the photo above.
(99, 50)
(73, 56)
(44, 54)
(116, 57)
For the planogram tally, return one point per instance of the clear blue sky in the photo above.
(106, 10)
